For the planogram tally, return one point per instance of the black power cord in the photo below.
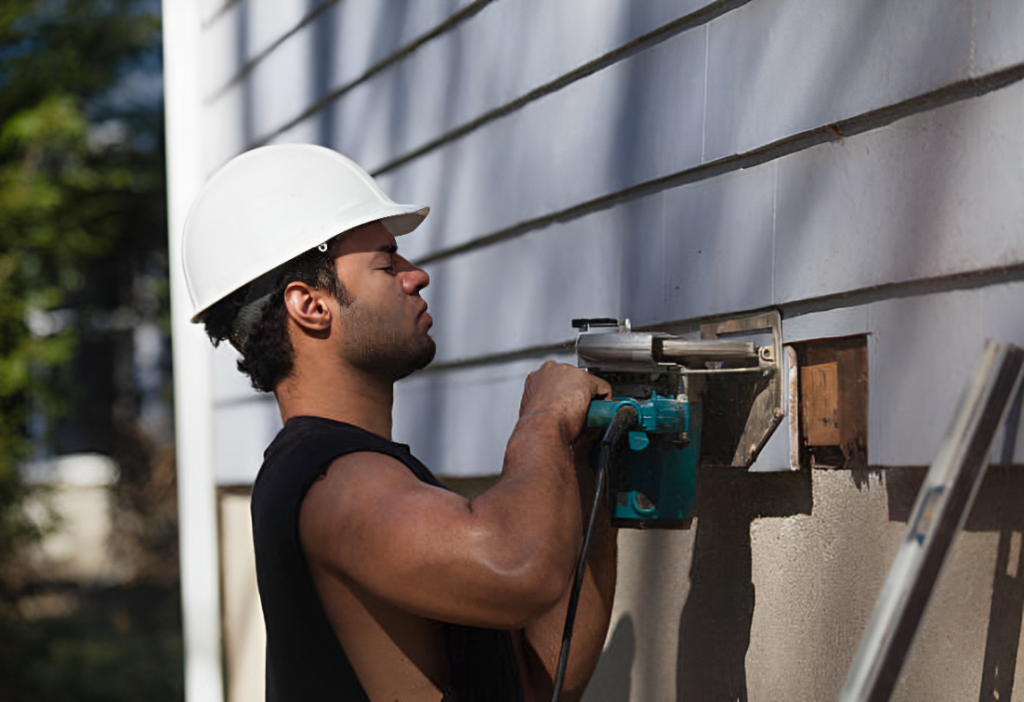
(624, 418)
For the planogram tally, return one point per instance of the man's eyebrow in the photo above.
(388, 248)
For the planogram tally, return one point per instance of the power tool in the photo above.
(647, 460)
(659, 375)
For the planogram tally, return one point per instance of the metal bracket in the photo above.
(732, 436)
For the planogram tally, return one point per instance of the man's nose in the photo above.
(414, 278)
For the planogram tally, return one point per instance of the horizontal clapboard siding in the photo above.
(662, 161)
(904, 203)
(856, 165)
(922, 349)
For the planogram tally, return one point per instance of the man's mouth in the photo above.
(423, 313)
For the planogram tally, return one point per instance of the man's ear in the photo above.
(308, 307)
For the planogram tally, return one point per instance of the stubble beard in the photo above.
(379, 347)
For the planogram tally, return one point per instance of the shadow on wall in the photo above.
(612, 681)
(714, 629)
(1004, 619)
(1004, 622)
(322, 48)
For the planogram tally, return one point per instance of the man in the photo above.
(377, 582)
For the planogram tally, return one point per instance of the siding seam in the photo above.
(954, 282)
(251, 64)
(851, 126)
(389, 60)
(224, 9)
(860, 297)
(646, 41)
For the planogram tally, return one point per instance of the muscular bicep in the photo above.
(424, 549)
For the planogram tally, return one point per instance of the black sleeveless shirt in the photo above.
(305, 661)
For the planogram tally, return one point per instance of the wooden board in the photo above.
(820, 411)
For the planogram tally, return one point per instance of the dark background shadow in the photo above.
(1004, 619)
(714, 629)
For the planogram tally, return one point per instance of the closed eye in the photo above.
(390, 250)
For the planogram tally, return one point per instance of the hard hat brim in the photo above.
(398, 219)
(267, 206)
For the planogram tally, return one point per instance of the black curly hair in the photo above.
(267, 352)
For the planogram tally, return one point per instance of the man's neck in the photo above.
(353, 397)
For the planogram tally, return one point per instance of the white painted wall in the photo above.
(74, 510)
(857, 165)
(193, 408)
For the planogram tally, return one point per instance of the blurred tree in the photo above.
(82, 277)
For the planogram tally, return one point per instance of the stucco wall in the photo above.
(767, 596)
(856, 165)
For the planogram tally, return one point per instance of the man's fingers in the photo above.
(565, 388)
(600, 388)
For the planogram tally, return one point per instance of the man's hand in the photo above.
(564, 390)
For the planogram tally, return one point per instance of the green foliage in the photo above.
(81, 215)
(67, 197)
(103, 651)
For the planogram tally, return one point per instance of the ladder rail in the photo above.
(939, 513)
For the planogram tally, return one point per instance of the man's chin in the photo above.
(425, 356)
(419, 359)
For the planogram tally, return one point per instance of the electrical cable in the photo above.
(625, 417)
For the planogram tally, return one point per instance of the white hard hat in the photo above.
(267, 206)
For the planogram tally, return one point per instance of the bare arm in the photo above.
(498, 561)
(542, 637)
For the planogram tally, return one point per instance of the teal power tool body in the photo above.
(654, 482)
(657, 481)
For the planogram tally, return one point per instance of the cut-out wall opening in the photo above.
(833, 401)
